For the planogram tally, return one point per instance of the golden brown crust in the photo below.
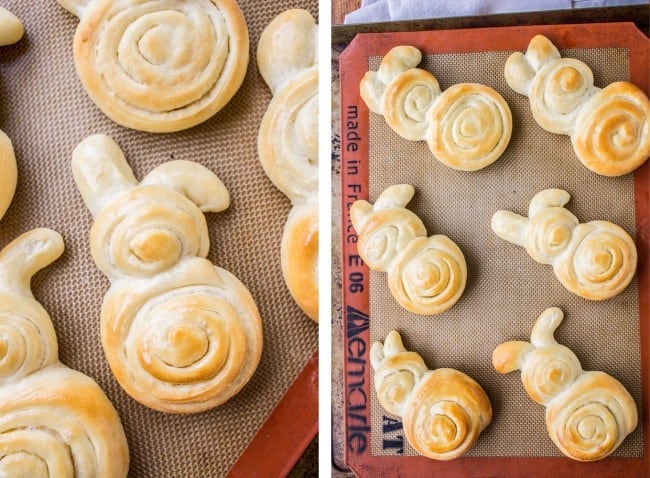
(467, 127)
(425, 275)
(612, 133)
(444, 411)
(299, 257)
(445, 414)
(54, 421)
(470, 127)
(180, 334)
(609, 128)
(596, 260)
(588, 414)
(161, 66)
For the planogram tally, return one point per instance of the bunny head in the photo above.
(397, 371)
(141, 229)
(27, 338)
(546, 367)
(547, 231)
(557, 87)
(386, 227)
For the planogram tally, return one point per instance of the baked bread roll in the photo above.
(425, 275)
(609, 128)
(160, 65)
(287, 144)
(467, 127)
(444, 411)
(596, 260)
(56, 422)
(588, 414)
(180, 334)
(11, 28)
(8, 173)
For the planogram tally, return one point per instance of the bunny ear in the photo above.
(100, 171)
(25, 256)
(519, 73)
(547, 198)
(398, 195)
(287, 47)
(540, 51)
(359, 211)
(398, 60)
(196, 182)
(372, 91)
(510, 356)
(510, 226)
(376, 355)
(76, 7)
(545, 325)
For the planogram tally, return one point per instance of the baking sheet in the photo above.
(46, 113)
(449, 203)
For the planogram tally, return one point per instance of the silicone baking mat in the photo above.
(46, 113)
(506, 289)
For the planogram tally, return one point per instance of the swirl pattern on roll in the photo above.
(588, 414)
(57, 423)
(602, 261)
(408, 100)
(148, 230)
(470, 127)
(467, 127)
(596, 260)
(54, 422)
(444, 411)
(27, 338)
(609, 128)
(447, 412)
(160, 65)
(425, 275)
(192, 340)
(180, 334)
(429, 275)
(613, 130)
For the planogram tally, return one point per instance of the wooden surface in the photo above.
(341, 7)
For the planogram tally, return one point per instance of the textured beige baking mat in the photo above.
(506, 290)
(46, 113)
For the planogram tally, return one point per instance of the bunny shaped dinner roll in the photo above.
(426, 275)
(609, 127)
(588, 414)
(595, 260)
(180, 334)
(467, 127)
(54, 421)
(160, 65)
(287, 144)
(444, 411)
